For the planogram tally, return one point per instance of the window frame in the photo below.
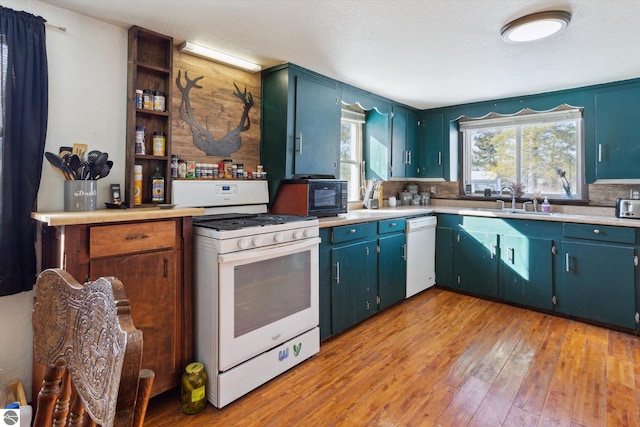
(526, 117)
(358, 119)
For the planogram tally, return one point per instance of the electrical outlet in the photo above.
(433, 190)
(634, 193)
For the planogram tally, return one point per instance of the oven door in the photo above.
(267, 296)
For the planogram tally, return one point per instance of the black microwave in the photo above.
(311, 196)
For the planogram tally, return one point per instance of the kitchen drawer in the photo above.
(347, 233)
(392, 225)
(603, 233)
(110, 240)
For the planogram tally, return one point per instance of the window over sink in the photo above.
(539, 154)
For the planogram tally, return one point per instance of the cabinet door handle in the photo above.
(492, 250)
(510, 254)
(408, 157)
(166, 267)
(566, 262)
(300, 145)
(338, 273)
(404, 252)
(439, 158)
(599, 152)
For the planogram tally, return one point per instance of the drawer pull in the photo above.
(393, 224)
(137, 237)
(596, 231)
(352, 231)
(166, 267)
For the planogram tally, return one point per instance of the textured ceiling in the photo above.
(424, 53)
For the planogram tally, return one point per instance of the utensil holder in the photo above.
(80, 195)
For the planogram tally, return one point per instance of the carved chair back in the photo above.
(91, 350)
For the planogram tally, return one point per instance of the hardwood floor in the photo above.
(445, 359)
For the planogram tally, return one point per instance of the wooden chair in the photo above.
(85, 338)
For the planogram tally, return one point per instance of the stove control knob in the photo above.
(243, 243)
(257, 241)
(308, 232)
(278, 237)
(297, 234)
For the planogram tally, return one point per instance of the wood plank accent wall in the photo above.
(216, 103)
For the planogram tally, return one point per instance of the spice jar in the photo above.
(193, 393)
(159, 141)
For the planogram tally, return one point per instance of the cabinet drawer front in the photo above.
(391, 225)
(109, 240)
(346, 233)
(603, 233)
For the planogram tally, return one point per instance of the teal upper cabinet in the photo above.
(300, 124)
(404, 143)
(617, 132)
(432, 154)
(377, 147)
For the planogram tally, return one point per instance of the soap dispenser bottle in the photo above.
(546, 207)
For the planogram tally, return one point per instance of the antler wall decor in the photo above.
(202, 137)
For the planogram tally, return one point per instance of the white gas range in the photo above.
(256, 285)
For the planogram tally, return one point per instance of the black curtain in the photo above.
(24, 127)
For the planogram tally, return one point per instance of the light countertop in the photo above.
(112, 215)
(588, 215)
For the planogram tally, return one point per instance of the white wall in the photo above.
(87, 104)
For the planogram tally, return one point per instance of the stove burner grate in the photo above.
(228, 222)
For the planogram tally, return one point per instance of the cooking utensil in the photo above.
(58, 164)
(105, 169)
(98, 164)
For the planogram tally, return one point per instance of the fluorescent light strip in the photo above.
(203, 52)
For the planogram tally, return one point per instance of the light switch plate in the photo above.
(634, 193)
(433, 190)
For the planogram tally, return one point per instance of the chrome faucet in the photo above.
(513, 195)
(534, 202)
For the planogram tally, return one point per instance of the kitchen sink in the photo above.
(510, 211)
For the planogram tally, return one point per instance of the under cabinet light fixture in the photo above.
(536, 26)
(213, 55)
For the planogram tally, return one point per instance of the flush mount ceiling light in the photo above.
(535, 26)
(214, 55)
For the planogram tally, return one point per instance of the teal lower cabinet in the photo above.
(325, 283)
(444, 256)
(354, 290)
(478, 262)
(392, 262)
(599, 278)
(527, 270)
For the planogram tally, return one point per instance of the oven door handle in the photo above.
(271, 251)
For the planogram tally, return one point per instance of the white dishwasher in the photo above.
(421, 253)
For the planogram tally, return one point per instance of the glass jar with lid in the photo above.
(193, 388)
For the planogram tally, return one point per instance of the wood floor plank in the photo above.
(558, 405)
(445, 359)
(590, 402)
(499, 400)
(533, 391)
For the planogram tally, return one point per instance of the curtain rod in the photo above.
(55, 27)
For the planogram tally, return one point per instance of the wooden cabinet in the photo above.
(150, 67)
(598, 276)
(617, 129)
(153, 260)
(300, 124)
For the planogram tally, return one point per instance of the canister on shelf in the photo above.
(159, 141)
(174, 166)
(182, 168)
(137, 184)
(139, 100)
(191, 169)
(140, 147)
(158, 101)
(147, 99)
